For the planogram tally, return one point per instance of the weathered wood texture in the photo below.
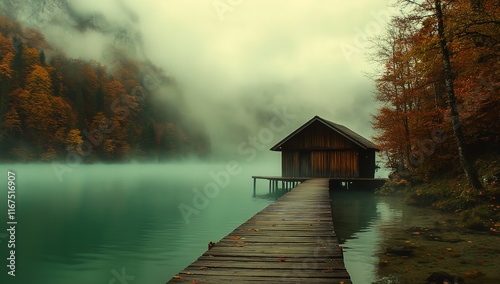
(290, 241)
(317, 136)
(343, 163)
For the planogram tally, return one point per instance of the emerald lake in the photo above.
(143, 223)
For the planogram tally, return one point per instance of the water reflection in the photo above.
(367, 225)
(353, 211)
(270, 196)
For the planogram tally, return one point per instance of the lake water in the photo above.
(144, 223)
(367, 225)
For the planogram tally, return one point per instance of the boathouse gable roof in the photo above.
(337, 128)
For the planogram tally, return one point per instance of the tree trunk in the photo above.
(465, 161)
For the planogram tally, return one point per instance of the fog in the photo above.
(239, 62)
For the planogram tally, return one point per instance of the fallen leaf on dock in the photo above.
(177, 277)
(236, 238)
(211, 245)
(473, 272)
(203, 267)
(195, 281)
(282, 259)
(449, 249)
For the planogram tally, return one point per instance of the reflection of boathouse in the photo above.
(354, 211)
(321, 148)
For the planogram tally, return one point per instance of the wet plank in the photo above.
(290, 241)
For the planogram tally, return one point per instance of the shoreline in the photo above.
(477, 210)
(434, 244)
(461, 240)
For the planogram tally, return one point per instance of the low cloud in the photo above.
(233, 70)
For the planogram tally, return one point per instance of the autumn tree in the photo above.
(38, 81)
(10, 129)
(74, 141)
(24, 61)
(6, 73)
(11, 121)
(475, 41)
(394, 94)
(436, 59)
(465, 159)
(45, 117)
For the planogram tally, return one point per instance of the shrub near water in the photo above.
(432, 194)
(477, 217)
(478, 210)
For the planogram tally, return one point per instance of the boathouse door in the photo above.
(305, 163)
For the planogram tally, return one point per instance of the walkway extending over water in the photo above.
(349, 182)
(290, 241)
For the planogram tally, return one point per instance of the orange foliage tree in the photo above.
(417, 92)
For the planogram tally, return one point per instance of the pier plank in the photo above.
(290, 241)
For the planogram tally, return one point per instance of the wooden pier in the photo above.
(335, 183)
(286, 182)
(290, 241)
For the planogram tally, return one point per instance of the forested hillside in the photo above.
(419, 122)
(51, 105)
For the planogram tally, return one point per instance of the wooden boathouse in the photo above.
(323, 149)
